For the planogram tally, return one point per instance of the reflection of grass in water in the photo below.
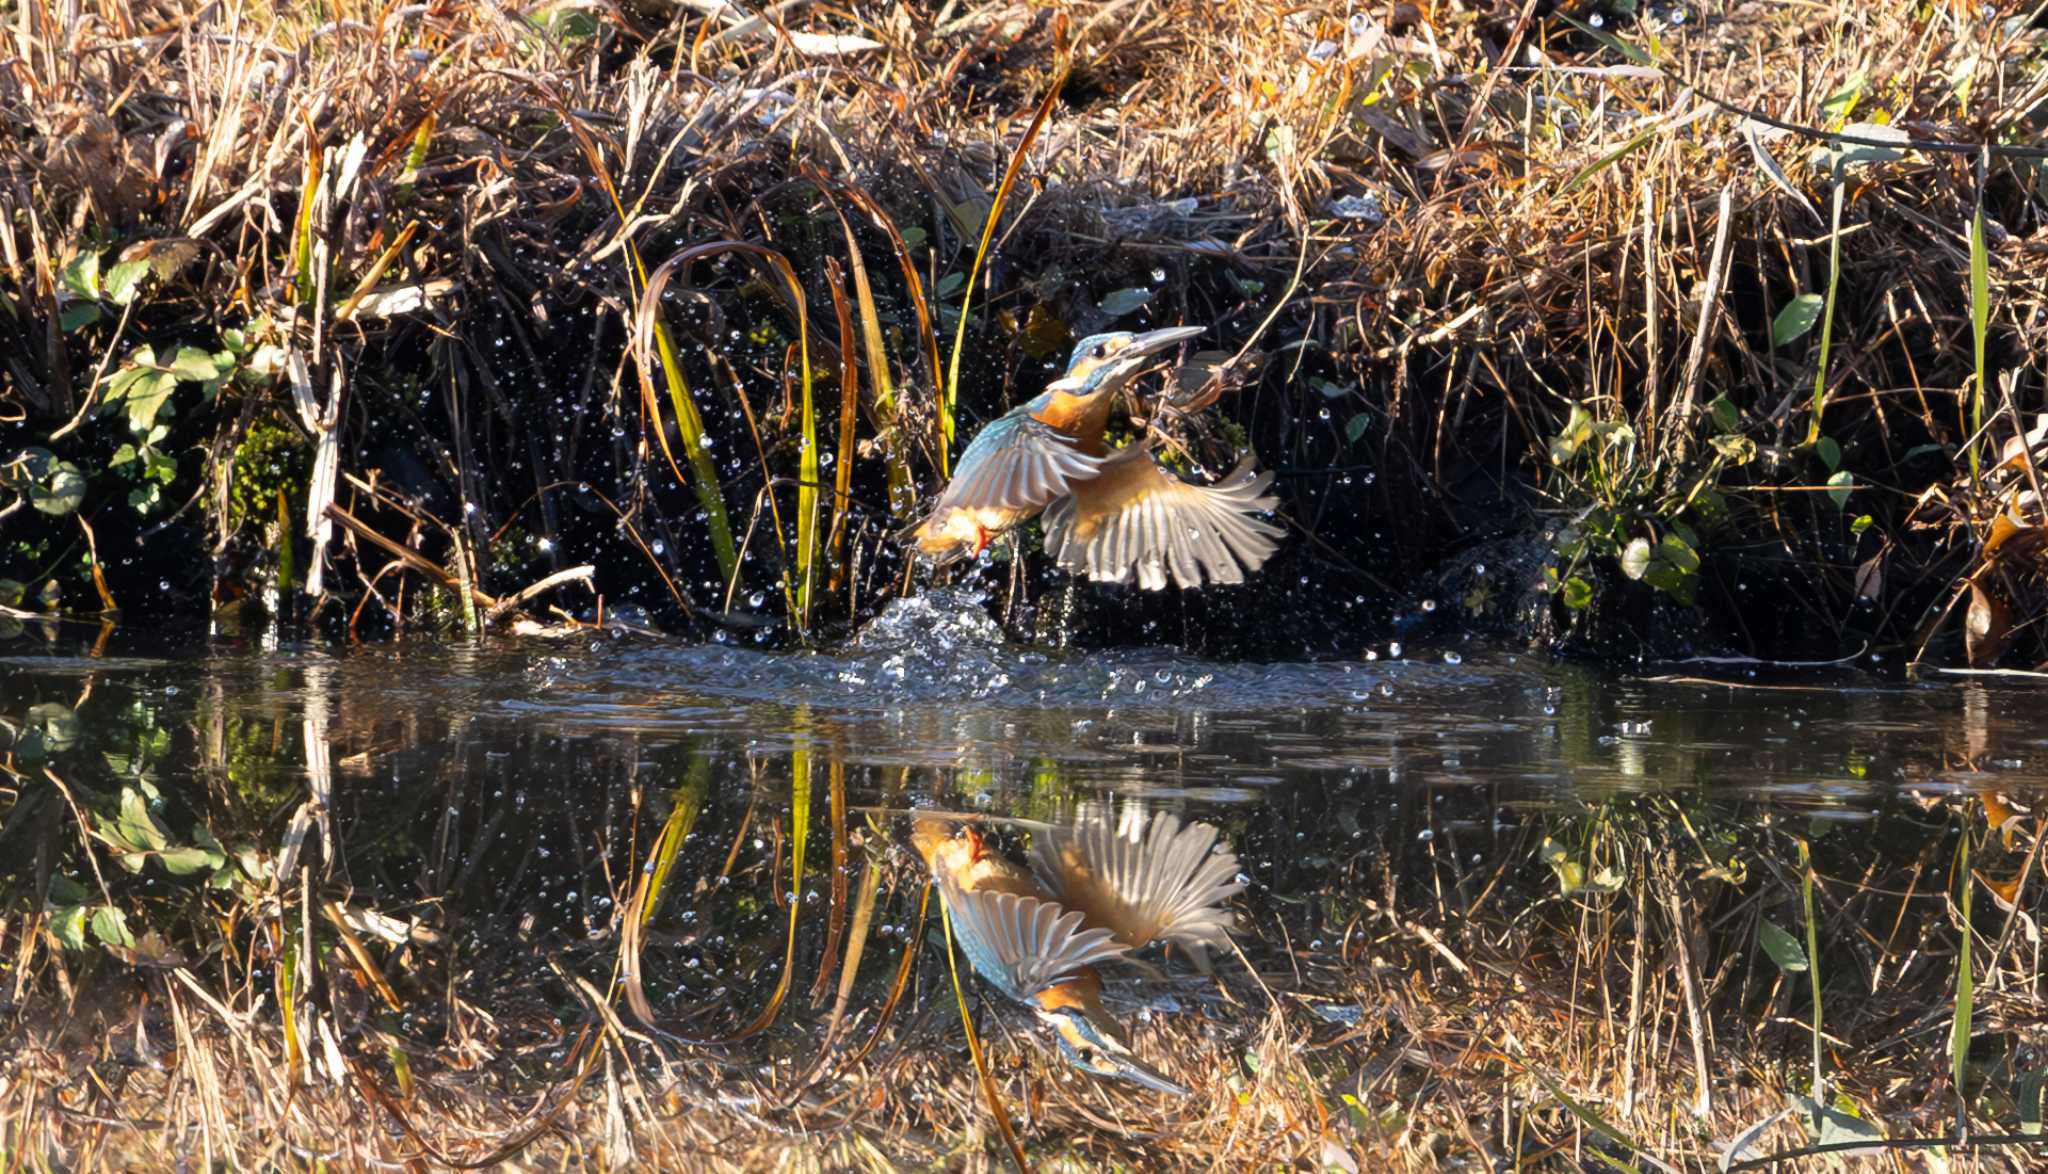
(1508, 993)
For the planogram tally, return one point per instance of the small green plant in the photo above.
(1643, 510)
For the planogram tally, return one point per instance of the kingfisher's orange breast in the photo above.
(1083, 417)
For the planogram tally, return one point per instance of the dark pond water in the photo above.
(498, 803)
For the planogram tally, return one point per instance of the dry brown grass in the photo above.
(1546, 245)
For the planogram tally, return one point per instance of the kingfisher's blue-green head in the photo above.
(1103, 361)
(1088, 1038)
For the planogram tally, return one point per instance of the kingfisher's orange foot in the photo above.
(982, 538)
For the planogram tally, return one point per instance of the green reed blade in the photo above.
(1827, 314)
(1980, 326)
(951, 393)
(1959, 1032)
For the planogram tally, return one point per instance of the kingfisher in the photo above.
(1102, 890)
(1114, 516)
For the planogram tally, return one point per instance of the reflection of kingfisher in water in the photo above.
(1101, 891)
(1113, 516)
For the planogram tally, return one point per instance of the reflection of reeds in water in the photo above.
(1636, 977)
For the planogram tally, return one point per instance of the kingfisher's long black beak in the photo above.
(1138, 352)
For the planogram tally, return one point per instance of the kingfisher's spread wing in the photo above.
(1143, 880)
(1135, 519)
(1023, 944)
(1016, 463)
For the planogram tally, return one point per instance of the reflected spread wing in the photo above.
(1016, 463)
(1022, 944)
(1136, 520)
(1145, 880)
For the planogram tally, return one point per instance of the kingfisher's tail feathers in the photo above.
(1136, 520)
(1145, 879)
(1023, 944)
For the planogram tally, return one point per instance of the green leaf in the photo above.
(1736, 449)
(82, 276)
(1843, 484)
(124, 281)
(76, 316)
(1578, 593)
(1678, 552)
(186, 861)
(67, 923)
(1726, 415)
(1862, 523)
(1119, 302)
(1830, 453)
(61, 493)
(146, 398)
(194, 364)
(65, 891)
(1842, 103)
(110, 926)
(12, 592)
(950, 284)
(1795, 319)
(59, 725)
(137, 825)
(1783, 948)
(1355, 427)
(1635, 559)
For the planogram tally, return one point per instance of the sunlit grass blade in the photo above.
(849, 404)
(1598, 1124)
(835, 921)
(950, 394)
(302, 232)
(881, 380)
(1827, 314)
(901, 983)
(648, 326)
(1812, 966)
(928, 338)
(1959, 1032)
(653, 886)
(1980, 325)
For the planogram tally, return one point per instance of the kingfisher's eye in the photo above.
(1099, 351)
